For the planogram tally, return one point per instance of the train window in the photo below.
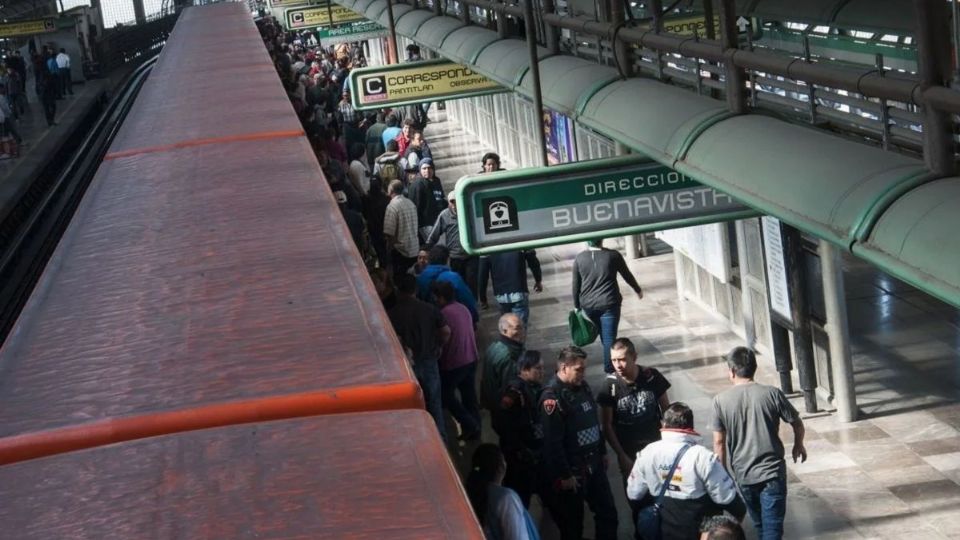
(890, 38)
(821, 29)
(796, 26)
(861, 34)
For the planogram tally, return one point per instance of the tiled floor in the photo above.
(893, 474)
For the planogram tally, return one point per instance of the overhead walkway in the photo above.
(867, 201)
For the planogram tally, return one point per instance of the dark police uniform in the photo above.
(517, 421)
(574, 446)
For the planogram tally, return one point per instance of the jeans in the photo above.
(767, 504)
(465, 410)
(428, 375)
(607, 320)
(520, 309)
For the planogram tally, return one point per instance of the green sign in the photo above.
(355, 31)
(415, 82)
(569, 203)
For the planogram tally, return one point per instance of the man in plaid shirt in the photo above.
(400, 229)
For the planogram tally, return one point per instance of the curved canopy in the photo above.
(411, 21)
(916, 239)
(656, 119)
(823, 184)
(434, 31)
(564, 79)
(399, 10)
(505, 61)
(465, 43)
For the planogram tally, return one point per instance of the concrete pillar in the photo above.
(139, 13)
(835, 304)
(633, 249)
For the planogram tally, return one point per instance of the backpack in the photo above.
(389, 171)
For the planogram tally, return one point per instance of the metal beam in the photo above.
(933, 62)
(531, 34)
(835, 304)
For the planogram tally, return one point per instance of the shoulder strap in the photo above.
(673, 469)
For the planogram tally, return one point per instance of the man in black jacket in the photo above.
(509, 272)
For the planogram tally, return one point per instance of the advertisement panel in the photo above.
(27, 28)
(405, 84)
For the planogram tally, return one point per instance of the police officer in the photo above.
(574, 451)
(517, 421)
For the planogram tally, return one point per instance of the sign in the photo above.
(688, 25)
(320, 16)
(27, 28)
(356, 31)
(776, 269)
(558, 129)
(405, 84)
(579, 201)
(708, 246)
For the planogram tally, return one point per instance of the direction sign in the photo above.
(313, 17)
(405, 84)
(355, 31)
(569, 203)
(27, 28)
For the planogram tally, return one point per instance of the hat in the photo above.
(452, 196)
(426, 161)
(340, 196)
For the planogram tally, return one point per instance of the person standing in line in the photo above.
(517, 422)
(422, 331)
(400, 230)
(490, 162)
(500, 360)
(63, 66)
(574, 454)
(631, 401)
(427, 194)
(498, 508)
(595, 290)
(458, 362)
(460, 261)
(508, 271)
(47, 88)
(700, 487)
(746, 431)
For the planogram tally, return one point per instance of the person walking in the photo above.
(460, 261)
(699, 488)
(63, 68)
(595, 290)
(746, 433)
(400, 229)
(47, 88)
(508, 271)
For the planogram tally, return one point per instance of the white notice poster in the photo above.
(776, 268)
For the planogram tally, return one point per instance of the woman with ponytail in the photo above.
(499, 509)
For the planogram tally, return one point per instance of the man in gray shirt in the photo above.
(746, 428)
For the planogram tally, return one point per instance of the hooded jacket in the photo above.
(443, 272)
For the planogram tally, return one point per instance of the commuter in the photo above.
(392, 131)
(699, 487)
(632, 400)
(498, 508)
(490, 163)
(438, 270)
(508, 270)
(722, 528)
(746, 432)
(460, 261)
(458, 362)
(63, 66)
(47, 90)
(574, 454)
(517, 422)
(400, 229)
(387, 165)
(374, 138)
(417, 150)
(500, 360)
(423, 261)
(54, 70)
(403, 139)
(9, 121)
(374, 210)
(16, 93)
(595, 290)
(422, 331)
(358, 171)
(426, 192)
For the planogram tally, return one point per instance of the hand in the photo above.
(626, 464)
(640, 294)
(538, 287)
(799, 452)
(569, 484)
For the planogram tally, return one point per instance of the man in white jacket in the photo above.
(700, 486)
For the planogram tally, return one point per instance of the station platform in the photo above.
(892, 474)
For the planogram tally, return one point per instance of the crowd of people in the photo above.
(553, 433)
(52, 82)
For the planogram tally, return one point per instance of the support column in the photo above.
(533, 58)
(630, 240)
(736, 77)
(621, 50)
(835, 304)
(392, 53)
(551, 33)
(802, 335)
(933, 63)
(139, 13)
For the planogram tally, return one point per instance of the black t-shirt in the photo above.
(636, 407)
(417, 325)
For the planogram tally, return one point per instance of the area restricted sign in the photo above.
(569, 203)
(405, 84)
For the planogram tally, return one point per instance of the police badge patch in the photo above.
(549, 405)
